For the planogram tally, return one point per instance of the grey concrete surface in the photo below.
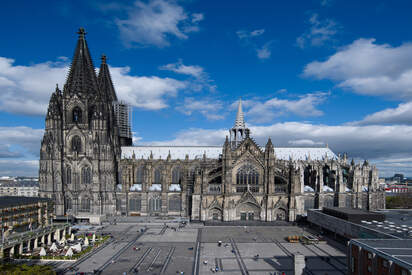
(161, 250)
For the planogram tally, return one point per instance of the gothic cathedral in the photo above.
(89, 167)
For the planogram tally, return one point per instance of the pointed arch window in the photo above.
(247, 176)
(176, 175)
(86, 175)
(85, 205)
(92, 110)
(77, 115)
(68, 175)
(69, 204)
(76, 144)
(139, 175)
(157, 176)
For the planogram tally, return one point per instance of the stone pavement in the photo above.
(194, 250)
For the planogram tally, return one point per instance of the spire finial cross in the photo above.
(82, 32)
(104, 58)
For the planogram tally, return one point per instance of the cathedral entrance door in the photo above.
(250, 216)
(243, 216)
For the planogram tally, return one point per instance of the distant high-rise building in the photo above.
(123, 115)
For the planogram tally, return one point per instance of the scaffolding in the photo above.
(123, 114)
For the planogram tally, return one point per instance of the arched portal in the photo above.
(280, 214)
(248, 212)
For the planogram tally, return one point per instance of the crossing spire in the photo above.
(240, 120)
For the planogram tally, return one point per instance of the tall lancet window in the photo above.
(77, 115)
(157, 176)
(76, 144)
(86, 175)
(139, 175)
(69, 204)
(176, 175)
(247, 177)
(68, 175)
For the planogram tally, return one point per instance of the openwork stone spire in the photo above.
(82, 76)
(240, 120)
(239, 131)
(105, 81)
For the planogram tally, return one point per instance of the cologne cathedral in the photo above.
(89, 167)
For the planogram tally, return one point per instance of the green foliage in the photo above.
(403, 201)
(23, 269)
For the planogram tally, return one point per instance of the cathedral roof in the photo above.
(105, 81)
(176, 152)
(304, 153)
(82, 76)
(213, 152)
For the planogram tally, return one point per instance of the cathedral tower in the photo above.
(80, 148)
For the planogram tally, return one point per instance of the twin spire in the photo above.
(82, 77)
(105, 81)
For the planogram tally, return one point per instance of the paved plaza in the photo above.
(158, 248)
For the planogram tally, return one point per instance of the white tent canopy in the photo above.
(43, 252)
(53, 247)
(69, 252)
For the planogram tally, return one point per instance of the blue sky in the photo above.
(310, 73)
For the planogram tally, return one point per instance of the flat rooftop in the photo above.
(399, 250)
(9, 201)
(353, 215)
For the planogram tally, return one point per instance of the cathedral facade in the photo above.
(90, 169)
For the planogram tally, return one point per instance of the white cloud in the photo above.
(243, 34)
(156, 22)
(304, 106)
(19, 150)
(197, 17)
(147, 92)
(320, 32)
(326, 3)
(180, 68)
(201, 78)
(399, 115)
(357, 141)
(20, 140)
(248, 37)
(135, 138)
(305, 142)
(368, 68)
(27, 89)
(265, 52)
(387, 146)
(17, 167)
(390, 144)
(208, 107)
